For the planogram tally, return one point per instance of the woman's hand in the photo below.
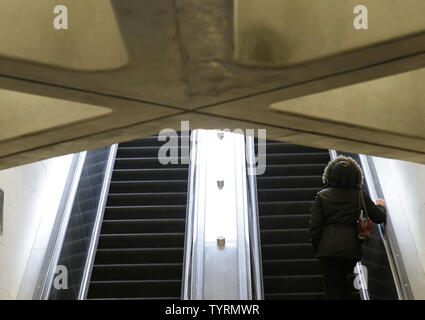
(380, 202)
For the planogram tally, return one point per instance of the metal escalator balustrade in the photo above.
(140, 249)
(392, 271)
(69, 250)
(222, 252)
(285, 194)
(385, 277)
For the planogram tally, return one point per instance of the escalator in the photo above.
(140, 249)
(381, 282)
(285, 194)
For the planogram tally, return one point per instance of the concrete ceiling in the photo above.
(185, 63)
(94, 44)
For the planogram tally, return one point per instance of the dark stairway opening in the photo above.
(140, 249)
(285, 194)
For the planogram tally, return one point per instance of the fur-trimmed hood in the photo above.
(343, 172)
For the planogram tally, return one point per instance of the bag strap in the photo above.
(362, 203)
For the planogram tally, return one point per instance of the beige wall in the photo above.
(403, 184)
(32, 195)
(92, 42)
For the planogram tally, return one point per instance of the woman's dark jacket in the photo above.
(334, 213)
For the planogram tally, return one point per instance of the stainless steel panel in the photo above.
(217, 207)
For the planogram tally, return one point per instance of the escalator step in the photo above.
(285, 194)
(284, 147)
(293, 284)
(284, 236)
(287, 251)
(135, 289)
(289, 182)
(143, 226)
(139, 199)
(292, 194)
(154, 271)
(277, 170)
(141, 240)
(297, 158)
(147, 186)
(284, 221)
(136, 163)
(291, 267)
(139, 255)
(140, 250)
(284, 207)
(149, 174)
(296, 296)
(146, 212)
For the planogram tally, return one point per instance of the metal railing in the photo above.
(98, 223)
(1, 210)
(187, 285)
(222, 246)
(254, 224)
(386, 235)
(386, 232)
(48, 269)
(82, 207)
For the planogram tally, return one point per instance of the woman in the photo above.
(333, 224)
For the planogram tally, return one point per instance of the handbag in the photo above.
(363, 221)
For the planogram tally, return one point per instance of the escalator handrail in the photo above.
(254, 225)
(188, 250)
(94, 240)
(385, 230)
(46, 276)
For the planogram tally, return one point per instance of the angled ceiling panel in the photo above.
(287, 32)
(92, 42)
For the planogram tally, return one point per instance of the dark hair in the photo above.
(343, 172)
